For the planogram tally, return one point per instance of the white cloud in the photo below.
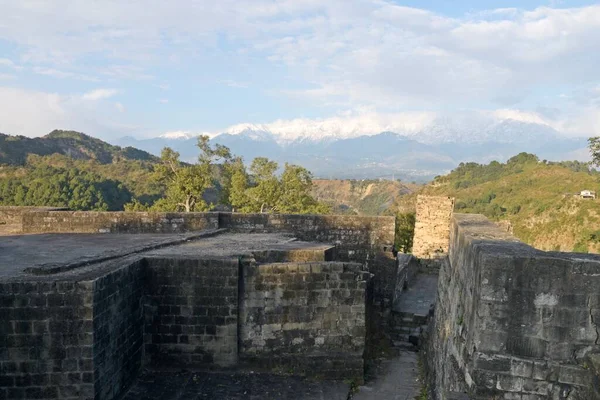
(5, 62)
(120, 107)
(99, 94)
(234, 84)
(163, 101)
(56, 111)
(7, 76)
(339, 54)
(55, 73)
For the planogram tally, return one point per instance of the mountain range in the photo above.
(412, 154)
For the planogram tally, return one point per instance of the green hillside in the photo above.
(14, 150)
(536, 198)
(360, 197)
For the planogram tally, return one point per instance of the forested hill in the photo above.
(536, 197)
(14, 150)
(360, 196)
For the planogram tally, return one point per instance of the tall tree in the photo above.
(265, 194)
(236, 186)
(296, 183)
(594, 145)
(185, 184)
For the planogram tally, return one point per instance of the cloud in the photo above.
(7, 76)
(163, 101)
(335, 55)
(99, 94)
(120, 107)
(57, 111)
(55, 73)
(5, 62)
(234, 84)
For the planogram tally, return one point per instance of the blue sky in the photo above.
(143, 68)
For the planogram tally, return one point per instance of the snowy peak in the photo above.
(178, 135)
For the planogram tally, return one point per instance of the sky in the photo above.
(117, 68)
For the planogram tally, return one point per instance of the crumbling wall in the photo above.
(305, 318)
(432, 227)
(512, 321)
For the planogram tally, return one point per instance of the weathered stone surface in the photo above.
(46, 340)
(432, 227)
(86, 332)
(11, 218)
(512, 321)
(305, 318)
(191, 311)
(116, 222)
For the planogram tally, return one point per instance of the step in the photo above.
(404, 346)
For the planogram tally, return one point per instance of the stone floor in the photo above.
(185, 385)
(419, 296)
(397, 379)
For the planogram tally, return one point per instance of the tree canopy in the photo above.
(44, 185)
(594, 145)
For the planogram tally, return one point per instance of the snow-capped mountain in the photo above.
(417, 150)
(178, 135)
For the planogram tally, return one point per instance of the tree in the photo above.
(296, 183)
(267, 189)
(262, 191)
(236, 186)
(594, 145)
(405, 230)
(185, 184)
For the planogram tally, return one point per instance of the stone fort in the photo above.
(126, 305)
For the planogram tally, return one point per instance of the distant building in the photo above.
(587, 194)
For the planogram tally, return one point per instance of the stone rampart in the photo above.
(89, 337)
(367, 240)
(116, 222)
(432, 227)
(356, 238)
(308, 318)
(11, 218)
(512, 321)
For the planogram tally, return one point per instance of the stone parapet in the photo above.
(432, 227)
(512, 321)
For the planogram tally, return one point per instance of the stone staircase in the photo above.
(411, 312)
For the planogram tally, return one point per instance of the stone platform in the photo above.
(82, 314)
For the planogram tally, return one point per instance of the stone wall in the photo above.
(366, 240)
(118, 329)
(432, 226)
(513, 322)
(305, 318)
(358, 239)
(116, 222)
(11, 218)
(192, 309)
(407, 269)
(46, 340)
